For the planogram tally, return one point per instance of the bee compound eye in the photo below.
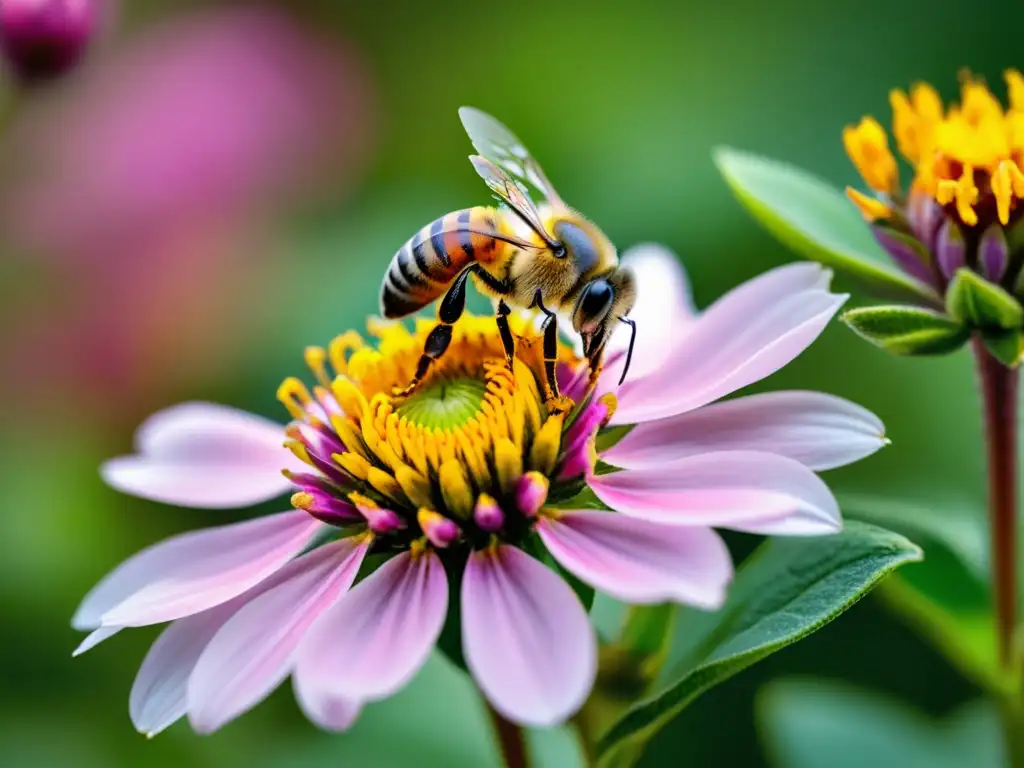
(597, 299)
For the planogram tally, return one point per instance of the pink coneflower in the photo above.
(464, 485)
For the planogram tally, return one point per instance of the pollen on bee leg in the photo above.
(531, 493)
(438, 529)
(487, 514)
(294, 396)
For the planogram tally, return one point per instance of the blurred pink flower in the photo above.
(248, 610)
(152, 182)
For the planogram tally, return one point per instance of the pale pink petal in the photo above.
(194, 571)
(158, 697)
(818, 430)
(663, 313)
(748, 334)
(204, 455)
(374, 640)
(744, 490)
(332, 713)
(252, 653)
(638, 561)
(526, 637)
(94, 638)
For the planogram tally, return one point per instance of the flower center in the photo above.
(968, 156)
(471, 455)
(444, 404)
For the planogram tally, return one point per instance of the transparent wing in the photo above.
(502, 147)
(512, 193)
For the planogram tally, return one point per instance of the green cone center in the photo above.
(445, 404)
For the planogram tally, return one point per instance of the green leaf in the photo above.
(808, 723)
(1006, 346)
(787, 590)
(817, 221)
(974, 301)
(946, 597)
(907, 330)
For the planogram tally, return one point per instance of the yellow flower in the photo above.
(967, 156)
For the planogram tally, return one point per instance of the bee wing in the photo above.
(502, 147)
(512, 193)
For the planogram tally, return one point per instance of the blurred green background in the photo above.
(212, 287)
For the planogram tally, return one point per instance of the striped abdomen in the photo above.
(424, 267)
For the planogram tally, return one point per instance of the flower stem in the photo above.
(999, 400)
(511, 741)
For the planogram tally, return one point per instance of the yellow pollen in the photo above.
(470, 430)
(302, 500)
(872, 209)
(868, 148)
(968, 155)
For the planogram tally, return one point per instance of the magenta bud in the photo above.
(320, 440)
(924, 215)
(382, 520)
(992, 253)
(579, 461)
(45, 38)
(531, 493)
(907, 252)
(950, 250)
(487, 514)
(438, 529)
(323, 506)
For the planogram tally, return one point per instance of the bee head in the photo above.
(603, 301)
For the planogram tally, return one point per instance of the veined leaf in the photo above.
(788, 589)
(907, 330)
(817, 221)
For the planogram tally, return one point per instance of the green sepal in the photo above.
(907, 330)
(973, 300)
(1006, 346)
(818, 222)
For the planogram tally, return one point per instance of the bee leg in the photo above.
(555, 402)
(508, 341)
(452, 306)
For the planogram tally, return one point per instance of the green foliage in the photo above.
(907, 330)
(973, 300)
(787, 590)
(806, 724)
(817, 221)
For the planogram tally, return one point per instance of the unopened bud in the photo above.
(992, 253)
(45, 38)
(531, 493)
(950, 250)
(487, 514)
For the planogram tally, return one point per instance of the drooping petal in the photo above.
(194, 571)
(526, 637)
(158, 697)
(743, 490)
(638, 561)
(252, 653)
(818, 430)
(204, 455)
(663, 313)
(377, 637)
(746, 335)
(332, 713)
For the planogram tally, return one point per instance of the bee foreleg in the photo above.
(555, 402)
(508, 341)
(452, 306)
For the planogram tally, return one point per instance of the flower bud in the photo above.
(992, 253)
(531, 493)
(45, 38)
(438, 529)
(487, 514)
(950, 250)
(924, 215)
(907, 252)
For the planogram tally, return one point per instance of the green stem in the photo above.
(999, 386)
(511, 740)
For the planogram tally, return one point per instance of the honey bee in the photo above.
(546, 257)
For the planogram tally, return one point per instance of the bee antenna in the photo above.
(629, 352)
